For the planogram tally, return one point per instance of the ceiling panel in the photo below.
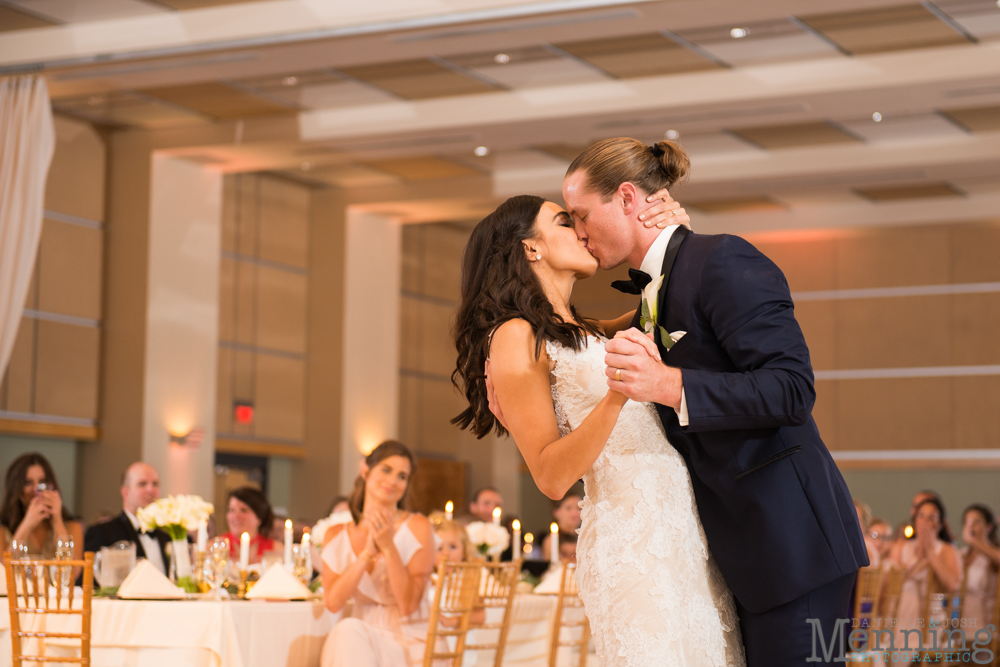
(317, 90)
(715, 144)
(567, 152)
(922, 191)
(531, 67)
(128, 109)
(761, 42)
(905, 128)
(422, 168)
(199, 4)
(787, 136)
(741, 205)
(888, 29)
(219, 100)
(977, 119)
(11, 19)
(980, 18)
(78, 11)
(418, 79)
(349, 176)
(630, 56)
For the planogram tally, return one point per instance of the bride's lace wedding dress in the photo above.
(652, 590)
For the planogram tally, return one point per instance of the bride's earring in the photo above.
(537, 256)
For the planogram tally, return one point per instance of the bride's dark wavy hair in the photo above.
(498, 284)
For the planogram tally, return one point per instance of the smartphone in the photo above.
(42, 486)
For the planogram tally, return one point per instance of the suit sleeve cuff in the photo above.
(682, 412)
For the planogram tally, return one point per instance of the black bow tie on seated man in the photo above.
(639, 279)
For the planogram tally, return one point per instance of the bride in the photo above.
(652, 590)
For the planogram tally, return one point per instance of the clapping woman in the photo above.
(980, 560)
(382, 561)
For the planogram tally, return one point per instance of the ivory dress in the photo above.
(652, 591)
(980, 591)
(375, 635)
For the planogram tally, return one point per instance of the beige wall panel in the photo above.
(280, 406)
(409, 409)
(444, 246)
(910, 413)
(977, 420)
(438, 350)
(229, 214)
(284, 221)
(69, 270)
(66, 373)
(410, 332)
(825, 412)
(247, 213)
(75, 183)
(412, 249)
(892, 333)
(227, 299)
(224, 392)
(809, 265)
(819, 326)
(894, 257)
(19, 379)
(245, 275)
(439, 403)
(281, 310)
(974, 252)
(976, 323)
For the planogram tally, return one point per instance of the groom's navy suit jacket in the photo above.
(778, 515)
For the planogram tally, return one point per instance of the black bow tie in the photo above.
(639, 280)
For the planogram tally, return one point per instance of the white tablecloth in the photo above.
(198, 633)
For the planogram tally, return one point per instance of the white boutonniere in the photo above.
(650, 308)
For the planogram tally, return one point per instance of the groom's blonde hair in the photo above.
(611, 162)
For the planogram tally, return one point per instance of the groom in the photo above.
(735, 395)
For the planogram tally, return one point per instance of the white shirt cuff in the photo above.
(682, 413)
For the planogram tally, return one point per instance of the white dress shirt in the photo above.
(149, 544)
(652, 265)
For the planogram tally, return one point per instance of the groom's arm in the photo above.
(746, 300)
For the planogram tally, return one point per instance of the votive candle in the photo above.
(554, 543)
(516, 551)
(496, 516)
(202, 536)
(449, 509)
(244, 551)
(289, 564)
(306, 548)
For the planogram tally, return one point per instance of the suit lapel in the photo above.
(673, 247)
(133, 535)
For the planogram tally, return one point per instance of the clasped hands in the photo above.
(379, 523)
(635, 369)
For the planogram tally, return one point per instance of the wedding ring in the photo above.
(618, 375)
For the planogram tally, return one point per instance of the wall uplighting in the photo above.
(738, 33)
(877, 117)
(191, 438)
(481, 151)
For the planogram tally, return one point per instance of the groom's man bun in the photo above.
(611, 162)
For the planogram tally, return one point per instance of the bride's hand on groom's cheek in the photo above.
(665, 211)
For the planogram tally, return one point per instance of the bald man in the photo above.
(140, 486)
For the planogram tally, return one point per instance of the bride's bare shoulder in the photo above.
(514, 342)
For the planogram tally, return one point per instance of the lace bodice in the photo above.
(653, 593)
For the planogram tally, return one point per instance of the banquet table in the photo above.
(196, 633)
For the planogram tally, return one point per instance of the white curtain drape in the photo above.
(27, 141)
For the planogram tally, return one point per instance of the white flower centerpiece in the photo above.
(488, 538)
(176, 516)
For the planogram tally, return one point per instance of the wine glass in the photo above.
(61, 576)
(216, 564)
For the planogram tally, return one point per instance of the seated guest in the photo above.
(140, 487)
(567, 547)
(880, 533)
(381, 560)
(980, 560)
(566, 513)
(931, 546)
(484, 501)
(865, 520)
(248, 511)
(918, 499)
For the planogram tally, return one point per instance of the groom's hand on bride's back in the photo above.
(664, 212)
(641, 373)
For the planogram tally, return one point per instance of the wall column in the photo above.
(182, 323)
(370, 394)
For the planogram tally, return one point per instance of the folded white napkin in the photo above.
(278, 584)
(145, 582)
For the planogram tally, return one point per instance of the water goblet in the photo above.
(62, 576)
(216, 565)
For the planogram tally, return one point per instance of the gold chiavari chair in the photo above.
(892, 590)
(497, 589)
(569, 598)
(867, 593)
(936, 607)
(30, 594)
(455, 595)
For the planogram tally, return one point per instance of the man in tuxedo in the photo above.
(140, 486)
(735, 395)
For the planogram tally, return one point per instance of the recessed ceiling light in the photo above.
(481, 151)
(290, 81)
(306, 166)
(672, 135)
(738, 33)
(503, 58)
(877, 117)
